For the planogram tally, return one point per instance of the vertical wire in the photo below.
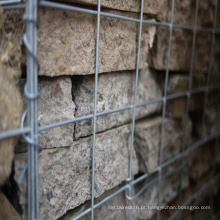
(206, 94)
(32, 119)
(95, 101)
(134, 102)
(164, 107)
(188, 97)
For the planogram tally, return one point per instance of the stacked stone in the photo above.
(66, 50)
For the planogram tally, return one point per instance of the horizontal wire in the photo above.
(15, 132)
(127, 186)
(169, 97)
(93, 12)
(162, 177)
(62, 123)
(8, 2)
(149, 22)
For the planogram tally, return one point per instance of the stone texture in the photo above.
(169, 190)
(115, 90)
(104, 211)
(67, 43)
(180, 51)
(7, 211)
(54, 105)
(65, 173)
(147, 141)
(11, 103)
(150, 6)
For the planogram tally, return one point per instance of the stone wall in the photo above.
(66, 50)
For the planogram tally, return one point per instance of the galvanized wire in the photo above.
(32, 129)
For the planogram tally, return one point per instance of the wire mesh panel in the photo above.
(155, 175)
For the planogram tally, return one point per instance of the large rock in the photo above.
(181, 50)
(65, 173)
(147, 141)
(115, 90)
(150, 6)
(10, 99)
(67, 43)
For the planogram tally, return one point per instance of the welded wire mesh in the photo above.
(32, 130)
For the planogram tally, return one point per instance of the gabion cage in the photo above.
(31, 131)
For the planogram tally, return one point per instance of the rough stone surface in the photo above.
(67, 43)
(150, 6)
(147, 141)
(115, 90)
(7, 211)
(169, 190)
(11, 102)
(65, 173)
(103, 211)
(54, 105)
(180, 51)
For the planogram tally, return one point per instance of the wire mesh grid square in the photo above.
(32, 130)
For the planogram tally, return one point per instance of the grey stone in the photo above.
(54, 105)
(115, 90)
(67, 43)
(147, 141)
(65, 173)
